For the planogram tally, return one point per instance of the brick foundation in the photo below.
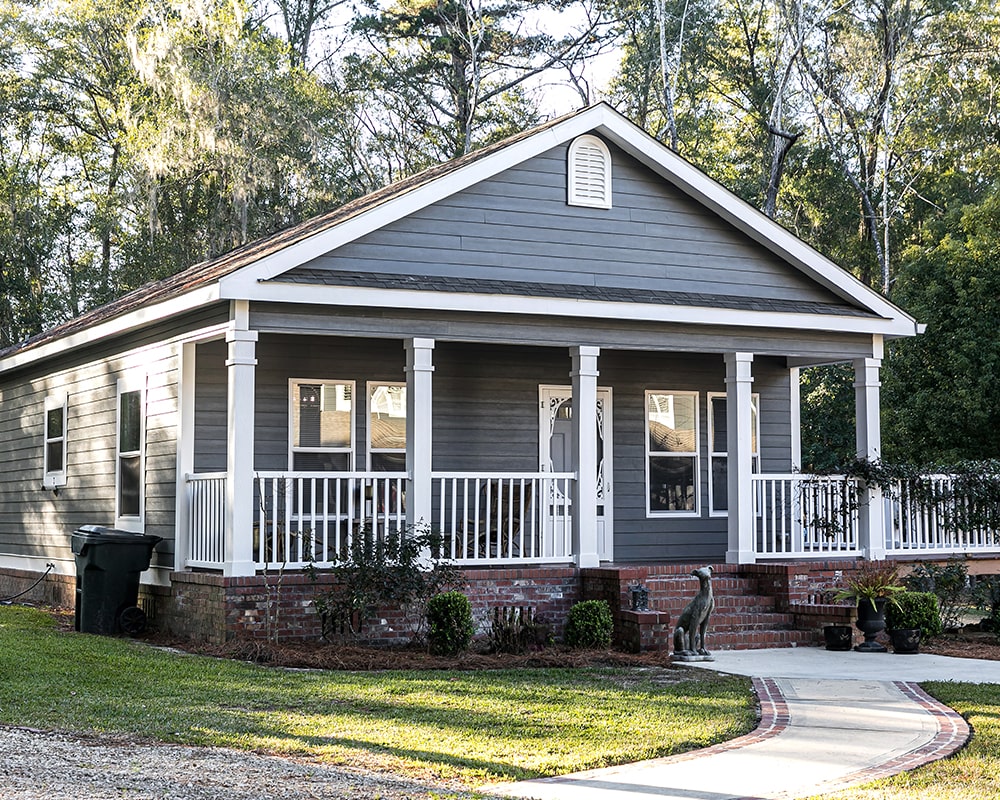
(52, 590)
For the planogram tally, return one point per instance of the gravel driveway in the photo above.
(55, 766)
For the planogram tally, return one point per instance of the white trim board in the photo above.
(570, 307)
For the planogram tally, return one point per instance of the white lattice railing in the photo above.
(206, 497)
(313, 517)
(504, 517)
(935, 515)
(805, 516)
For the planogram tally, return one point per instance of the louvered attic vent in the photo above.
(589, 173)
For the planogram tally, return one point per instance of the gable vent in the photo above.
(589, 181)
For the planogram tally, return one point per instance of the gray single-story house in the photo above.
(568, 350)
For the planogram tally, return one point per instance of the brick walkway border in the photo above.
(953, 734)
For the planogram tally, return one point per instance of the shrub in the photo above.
(986, 596)
(449, 623)
(385, 571)
(589, 625)
(948, 583)
(914, 610)
(513, 630)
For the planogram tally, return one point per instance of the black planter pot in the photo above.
(838, 637)
(871, 621)
(905, 640)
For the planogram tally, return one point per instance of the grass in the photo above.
(473, 727)
(971, 774)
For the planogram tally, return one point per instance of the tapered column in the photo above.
(871, 521)
(419, 394)
(583, 377)
(241, 369)
(739, 382)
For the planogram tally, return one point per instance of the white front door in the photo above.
(556, 452)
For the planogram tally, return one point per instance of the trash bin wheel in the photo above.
(132, 620)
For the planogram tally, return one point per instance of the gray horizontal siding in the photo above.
(807, 346)
(517, 226)
(38, 523)
(486, 417)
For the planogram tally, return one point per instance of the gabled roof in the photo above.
(255, 270)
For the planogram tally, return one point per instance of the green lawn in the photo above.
(971, 774)
(472, 726)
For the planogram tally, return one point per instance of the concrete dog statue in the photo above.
(689, 635)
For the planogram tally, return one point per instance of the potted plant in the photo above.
(913, 617)
(871, 587)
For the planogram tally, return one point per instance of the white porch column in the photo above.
(795, 416)
(871, 522)
(241, 368)
(419, 393)
(739, 383)
(583, 376)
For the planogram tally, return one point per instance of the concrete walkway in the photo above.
(816, 709)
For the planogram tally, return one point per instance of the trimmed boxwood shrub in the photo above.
(449, 623)
(589, 625)
(914, 610)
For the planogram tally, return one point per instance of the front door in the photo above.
(556, 451)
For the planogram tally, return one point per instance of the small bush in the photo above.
(589, 625)
(914, 610)
(949, 583)
(513, 630)
(449, 623)
(986, 596)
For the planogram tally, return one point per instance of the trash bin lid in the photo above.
(99, 534)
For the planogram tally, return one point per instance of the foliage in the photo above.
(513, 630)
(949, 583)
(827, 417)
(449, 623)
(873, 580)
(986, 597)
(914, 610)
(398, 570)
(589, 624)
(587, 718)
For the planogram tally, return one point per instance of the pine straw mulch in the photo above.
(965, 644)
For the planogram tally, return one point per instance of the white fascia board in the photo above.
(396, 208)
(745, 218)
(410, 299)
(114, 327)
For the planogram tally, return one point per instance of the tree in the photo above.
(940, 400)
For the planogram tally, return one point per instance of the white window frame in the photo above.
(293, 449)
(54, 478)
(575, 192)
(713, 455)
(696, 453)
(126, 385)
(369, 450)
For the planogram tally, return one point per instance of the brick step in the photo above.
(758, 640)
(737, 622)
(727, 603)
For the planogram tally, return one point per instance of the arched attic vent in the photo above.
(589, 167)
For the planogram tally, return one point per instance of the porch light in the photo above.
(640, 597)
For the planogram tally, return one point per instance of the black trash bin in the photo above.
(108, 565)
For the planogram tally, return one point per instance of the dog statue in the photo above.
(692, 625)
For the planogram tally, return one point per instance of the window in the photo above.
(672, 453)
(387, 427)
(322, 425)
(54, 452)
(130, 449)
(589, 168)
(718, 463)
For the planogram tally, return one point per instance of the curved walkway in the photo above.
(813, 735)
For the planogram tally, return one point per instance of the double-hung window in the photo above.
(54, 453)
(387, 427)
(321, 429)
(130, 452)
(718, 449)
(672, 463)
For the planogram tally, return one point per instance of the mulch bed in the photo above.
(965, 644)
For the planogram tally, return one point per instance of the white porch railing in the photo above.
(206, 502)
(934, 515)
(505, 517)
(313, 517)
(805, 516)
